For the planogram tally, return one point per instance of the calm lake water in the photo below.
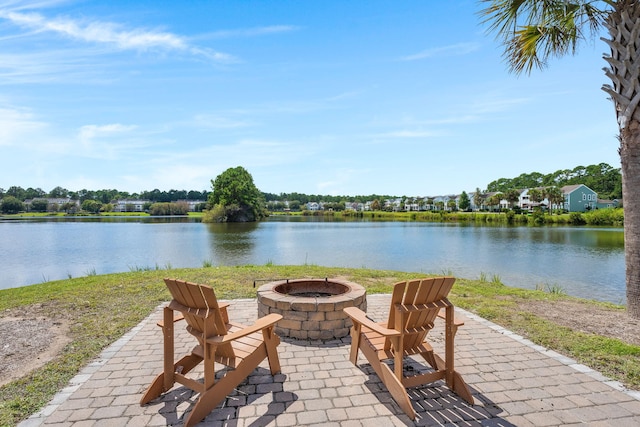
(585, 262)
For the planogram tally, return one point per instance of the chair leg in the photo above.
(355, 342)
(209, 399)
(394, 384)
(155, 389)
(461, 388)
(397, 390)
(158, 386)
(271, 342)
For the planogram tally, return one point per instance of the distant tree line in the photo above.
(605, 180)
(102, 196)
(306, 198)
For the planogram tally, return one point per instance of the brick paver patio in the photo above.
(514, 383)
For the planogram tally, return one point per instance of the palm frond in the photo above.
(533, 31)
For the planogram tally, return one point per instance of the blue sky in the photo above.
(319, 97)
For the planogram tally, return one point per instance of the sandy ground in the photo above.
(587, 318)
(29, 341)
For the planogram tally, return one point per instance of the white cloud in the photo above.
(409, 134)
(451, 50)
(89, 132)
(214, 121)
(250, 32)
(105, 141)
(111, 34)
(16, 125)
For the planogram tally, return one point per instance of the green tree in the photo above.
(294, 205)
(536, 196)
(478, 199)
(69, 207)
(169, 208)
(464, 203)
(17, 192)
(34, 193)
(512, 196)
(39, 205)
(92, 206)
(11, 205)
(534, 31)
(494, 201)
(59, 192)
(430, 201)
(555, 197)
(235, 197)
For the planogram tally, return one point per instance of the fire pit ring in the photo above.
(311, 308)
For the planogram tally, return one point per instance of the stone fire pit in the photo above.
(311, 308)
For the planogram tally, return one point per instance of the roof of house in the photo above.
(572, 188)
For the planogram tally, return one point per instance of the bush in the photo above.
(576, 218)
(169, 209)
(11, 205)
(537, 218)
(39, 205)
(510, 216)
(605, 217)
(216, 214)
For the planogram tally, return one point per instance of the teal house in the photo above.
(579, 198)
(605, 204)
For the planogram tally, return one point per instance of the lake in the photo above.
(584, 262)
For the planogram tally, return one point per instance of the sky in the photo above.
(326, 97)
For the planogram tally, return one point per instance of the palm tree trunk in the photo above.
(624, 28)
(630, 157)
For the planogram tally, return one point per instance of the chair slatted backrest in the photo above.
(199, 306)
(421, 300)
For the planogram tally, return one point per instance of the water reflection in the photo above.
(586, 262)
(232, 244)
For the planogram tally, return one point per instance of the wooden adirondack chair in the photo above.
(414, 307)
(238, 347)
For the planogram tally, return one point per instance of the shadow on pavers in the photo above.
(338, 342)
(435, 403)
(259, 388)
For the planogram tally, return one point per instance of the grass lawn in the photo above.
(100, 309)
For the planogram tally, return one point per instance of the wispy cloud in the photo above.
(215, 121)
(89, 132)
(46, 67)
(111, 34)
(409, 134)
(16, 124)
(451, 50)
(106, 141)
(250, 32)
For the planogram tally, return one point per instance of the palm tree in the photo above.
(512, 197)
(535, 195)
(478, 199)
(534, 31)
(494, 201)
(554, 196)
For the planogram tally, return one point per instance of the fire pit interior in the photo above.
(311, 308)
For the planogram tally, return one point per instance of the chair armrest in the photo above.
(176, 318)
(260, 324)
(359, 316)
(457, 321)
